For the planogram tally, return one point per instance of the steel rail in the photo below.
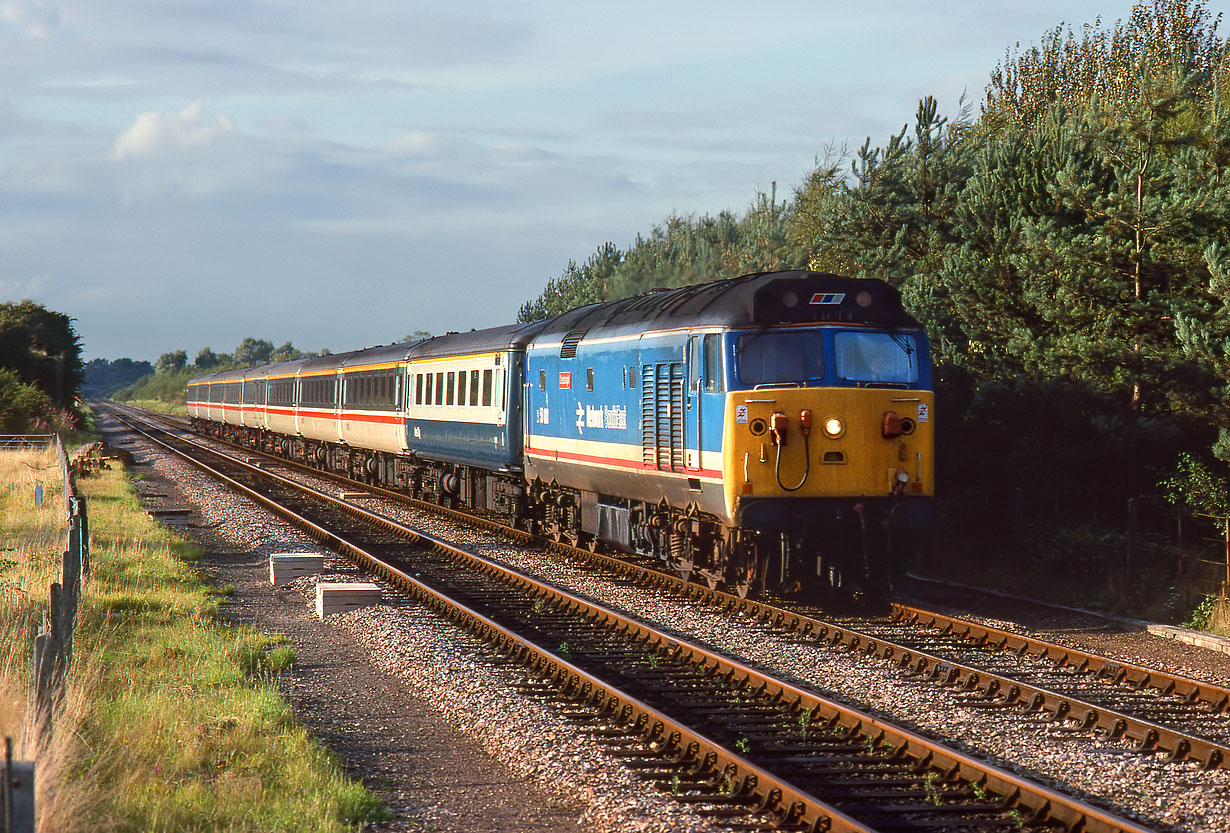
(775, 794)
(1009, 691)
(1216, 698)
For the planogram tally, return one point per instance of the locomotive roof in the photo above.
(493, 339)
(755, 300)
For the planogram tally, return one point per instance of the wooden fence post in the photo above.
(16, 793)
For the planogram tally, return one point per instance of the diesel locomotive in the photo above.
(771, 432)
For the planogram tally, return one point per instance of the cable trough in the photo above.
(716, 732)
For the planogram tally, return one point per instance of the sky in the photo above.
(177, 175)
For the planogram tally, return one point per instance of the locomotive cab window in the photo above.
(876, 358)
(713, 364)
(769, 357)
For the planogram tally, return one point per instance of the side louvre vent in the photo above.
(568, 349)
(662, 406)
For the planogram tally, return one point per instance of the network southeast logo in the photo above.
(827, 298)
(601, 416)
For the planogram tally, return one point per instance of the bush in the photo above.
(25, 409)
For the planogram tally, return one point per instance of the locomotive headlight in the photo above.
(834, 427)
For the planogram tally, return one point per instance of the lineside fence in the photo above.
(53, 646)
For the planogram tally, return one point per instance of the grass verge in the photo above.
(171, 720)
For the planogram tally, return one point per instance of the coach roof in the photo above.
(492, 340)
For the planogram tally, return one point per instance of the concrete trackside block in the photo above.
(1204, 640)
(285, 567)
(171, 517)
(339, 597)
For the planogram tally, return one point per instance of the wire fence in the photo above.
(14, 442)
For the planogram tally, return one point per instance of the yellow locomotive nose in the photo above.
(872, 442)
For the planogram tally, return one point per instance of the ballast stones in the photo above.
(339, 597)
(285, 567)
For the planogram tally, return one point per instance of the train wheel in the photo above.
(590, 542)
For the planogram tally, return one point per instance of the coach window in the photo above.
(452, 388)
(474, 388)
(487, 388)
(461, 387)
(440, 388)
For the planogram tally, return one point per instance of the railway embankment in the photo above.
(169, 717)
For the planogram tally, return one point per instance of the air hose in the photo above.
(777, 466)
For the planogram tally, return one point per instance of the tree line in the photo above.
(166, 378)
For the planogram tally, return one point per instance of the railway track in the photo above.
(717, 731)
(1157, 710)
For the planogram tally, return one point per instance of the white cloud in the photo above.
(154, 133)
(36, 18)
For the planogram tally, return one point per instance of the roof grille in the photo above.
(568, 349)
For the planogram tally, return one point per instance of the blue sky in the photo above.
(179, 174)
